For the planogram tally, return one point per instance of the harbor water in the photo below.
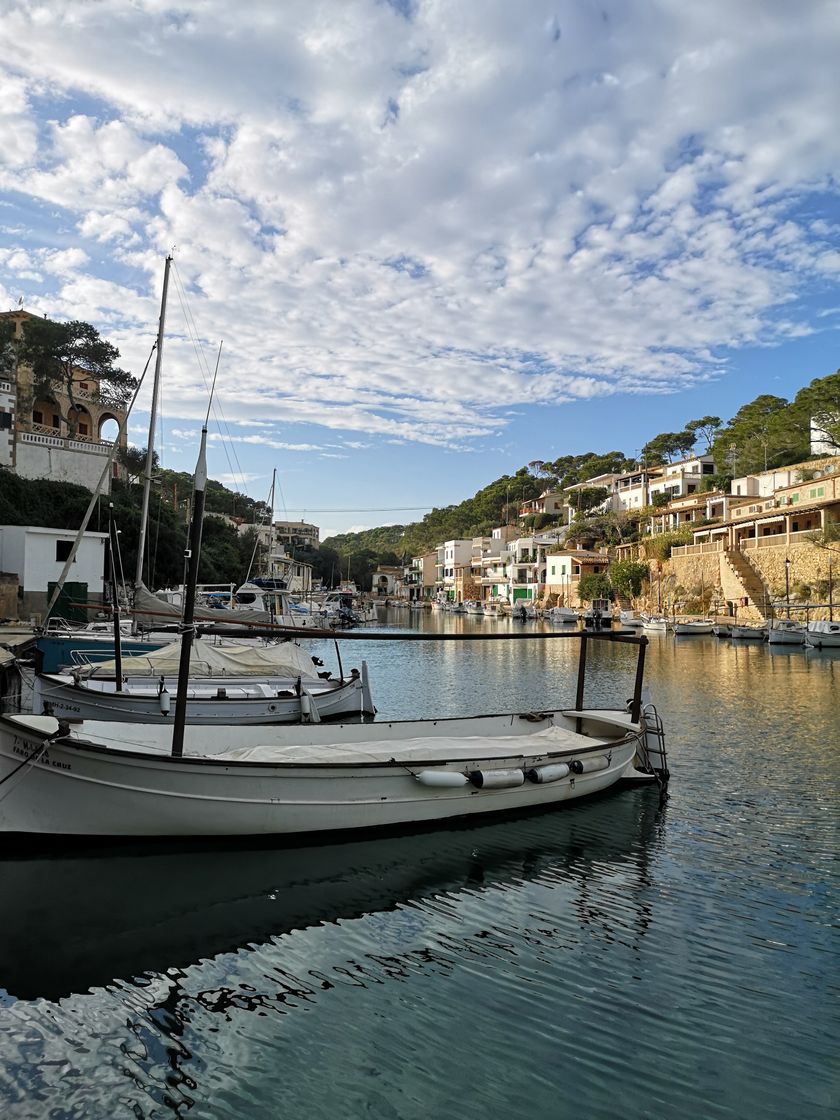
(626, 956)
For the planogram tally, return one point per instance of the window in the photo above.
(63, 550)
(708, 468)
(5, 421)
(37, 417)
(83, 429)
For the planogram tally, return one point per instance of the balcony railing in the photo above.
(46, 437)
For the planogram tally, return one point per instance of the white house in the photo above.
(452, 554)
(682, 478)
(37, 557)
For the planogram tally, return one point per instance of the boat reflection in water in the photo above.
(93, 917)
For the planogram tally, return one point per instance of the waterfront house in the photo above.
(564, 568)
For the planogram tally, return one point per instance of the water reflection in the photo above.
(106, 916)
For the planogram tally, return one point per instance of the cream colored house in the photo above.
(35, 440)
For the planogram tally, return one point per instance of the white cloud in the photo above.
(406, 228)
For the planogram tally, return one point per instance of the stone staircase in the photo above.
(739, 580)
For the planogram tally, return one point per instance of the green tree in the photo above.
(62, 356)
(627, 577)
(594, 585)
(707, 428)
(134, 461)
(765, 433)
(667, 446)
(819, 403)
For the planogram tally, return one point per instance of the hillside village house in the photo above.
(564, 569)
(296, 534)
(34, 440)
(388, 582)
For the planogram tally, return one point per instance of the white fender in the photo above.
(441, 779)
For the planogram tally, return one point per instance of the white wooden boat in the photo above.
(630, 619)
(655, 622)
(747, 633)
(823, 635)
(473, 606)
(692, 626)
(209, 700)
(229, 684)
(785, 632)
(118, 779)
(721, 629)
(563, 615)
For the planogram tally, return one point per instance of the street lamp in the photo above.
(787, 584)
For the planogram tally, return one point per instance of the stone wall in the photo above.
(808, 565)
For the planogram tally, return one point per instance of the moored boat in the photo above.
(692, 626)
(144, 779)
(823, 635)
(785, 632)
(754, 633)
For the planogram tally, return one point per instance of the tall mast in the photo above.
(147, 476)
(188, 618)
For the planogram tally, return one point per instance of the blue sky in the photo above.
(438, 240)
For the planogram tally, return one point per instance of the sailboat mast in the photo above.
(188, 618)
(113, 553)
(147, 475)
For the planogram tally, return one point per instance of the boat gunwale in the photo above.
(84, 746)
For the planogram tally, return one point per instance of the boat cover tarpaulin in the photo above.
(151, 611)
(283, 659)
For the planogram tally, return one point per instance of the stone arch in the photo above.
(112, 432)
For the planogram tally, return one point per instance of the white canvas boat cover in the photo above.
(822, 626)
(207, 659)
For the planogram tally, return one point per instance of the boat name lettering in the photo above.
(24, 750)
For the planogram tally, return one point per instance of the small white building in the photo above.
(37, 556)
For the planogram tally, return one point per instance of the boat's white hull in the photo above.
(660, 624)
(233, 701)
(784, 634)
(748, 633)
(823, 635)
(564, 615)
(77, 787)
(693, 627)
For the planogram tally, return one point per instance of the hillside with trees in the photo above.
(767, 432)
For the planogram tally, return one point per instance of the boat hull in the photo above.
(783, 635)
(69, 786)
(823, 635)
(693, 628)
(226, 701)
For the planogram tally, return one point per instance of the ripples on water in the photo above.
(615, 958)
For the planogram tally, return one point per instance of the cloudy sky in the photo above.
(438, 239)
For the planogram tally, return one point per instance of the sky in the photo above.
(435, 240)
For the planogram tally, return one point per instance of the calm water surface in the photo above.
(614, 958)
